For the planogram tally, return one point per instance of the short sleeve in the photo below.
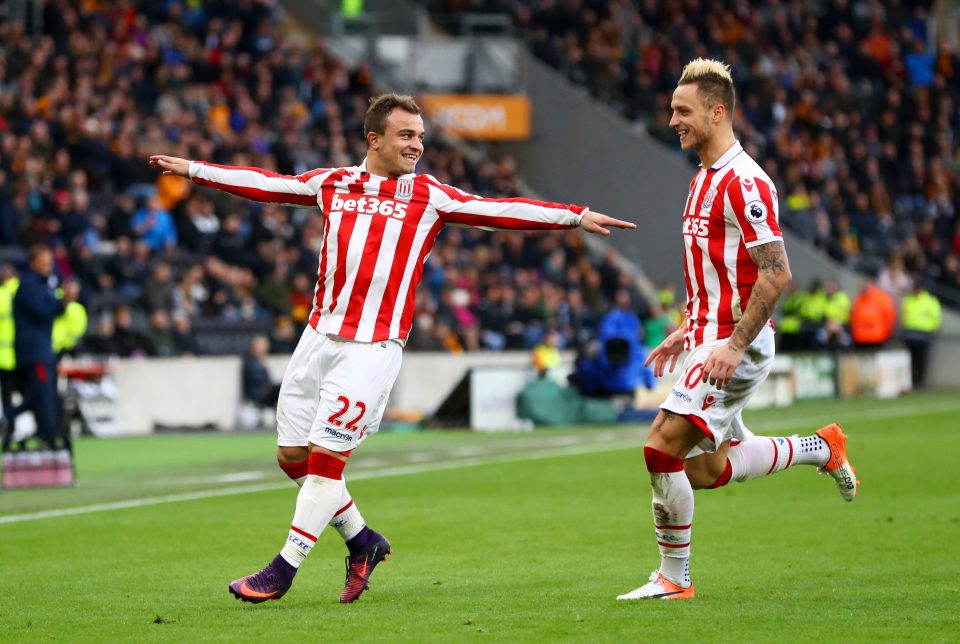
(752, 205)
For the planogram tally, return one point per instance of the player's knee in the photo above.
(288, 455)
(700, 478)
(293, 461)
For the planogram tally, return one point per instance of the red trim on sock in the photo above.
(344, 508)
(674, 527)
(303, 534)
(295, 470)
(329, 467)
(701, 424)
(674, 545)
(776, 455)
(724, 478)
(734, 442)
(790, 457)
(661, 462)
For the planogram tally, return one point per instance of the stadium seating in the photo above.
(106, 84)
(850, 107)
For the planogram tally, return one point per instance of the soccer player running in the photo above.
(380, 223)
(735, 269)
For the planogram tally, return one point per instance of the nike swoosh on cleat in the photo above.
(247, 590)
(671, 593)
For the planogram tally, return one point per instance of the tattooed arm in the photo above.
(773, 277)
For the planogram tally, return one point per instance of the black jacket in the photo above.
(34, 308)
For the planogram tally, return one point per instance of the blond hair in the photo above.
(714, 82)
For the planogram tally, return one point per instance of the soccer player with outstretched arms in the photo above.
(736, 268)
(380, 223)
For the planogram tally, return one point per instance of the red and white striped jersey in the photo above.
(377, 234)
(732, 206)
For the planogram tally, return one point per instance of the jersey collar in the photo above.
(727, 156)
(363, 168)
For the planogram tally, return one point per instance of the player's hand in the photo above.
(671, 347)
(597, 223)
(719, 367)
(171, 165)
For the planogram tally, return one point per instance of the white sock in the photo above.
(317, 501)
(347, 520)
(763, 455)
(672, 518)
(811, 450)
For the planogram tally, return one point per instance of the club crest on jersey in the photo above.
(708, 199)
(404, 190)
(756, 211)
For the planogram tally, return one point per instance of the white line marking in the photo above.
(235, 477)
(858, 416)
(584, 447)
(359, 475)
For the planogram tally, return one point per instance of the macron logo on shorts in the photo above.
(341, 435)
(708, 401)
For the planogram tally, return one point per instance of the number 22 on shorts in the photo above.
(345, 405)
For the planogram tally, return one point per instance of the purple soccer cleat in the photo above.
(360, 566)
(272, 583)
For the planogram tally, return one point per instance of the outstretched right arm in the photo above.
(249, 183)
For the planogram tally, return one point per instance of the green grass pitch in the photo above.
(520, 537)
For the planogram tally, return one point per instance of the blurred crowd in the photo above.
(895, 305)
(167, 268)
(851, 106)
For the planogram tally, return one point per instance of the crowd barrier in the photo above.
(137, 397)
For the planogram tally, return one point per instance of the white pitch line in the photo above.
(857, 416)
(402, 470)
(359, 475)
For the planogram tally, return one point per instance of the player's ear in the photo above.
(719, 111)
(373, 140)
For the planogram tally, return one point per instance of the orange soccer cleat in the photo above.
(659, 587)
(838, 466)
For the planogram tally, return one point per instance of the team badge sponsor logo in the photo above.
(365, 205)
(747, 184)
(404, 190)
(756, 211)
(682, 396)
(709, 401)
(708, 200)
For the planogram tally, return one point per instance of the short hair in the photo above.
(380, 108)
(713, 80)
(36, 250)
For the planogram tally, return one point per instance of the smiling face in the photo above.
(692, 120)
(396, 151)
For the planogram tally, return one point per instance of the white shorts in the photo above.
(335, 391)
(717, 412)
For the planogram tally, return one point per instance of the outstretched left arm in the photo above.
(773, 277)
(459, 208)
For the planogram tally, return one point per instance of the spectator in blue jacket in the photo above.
(154, 225)
(35, 306)
(617, 367)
